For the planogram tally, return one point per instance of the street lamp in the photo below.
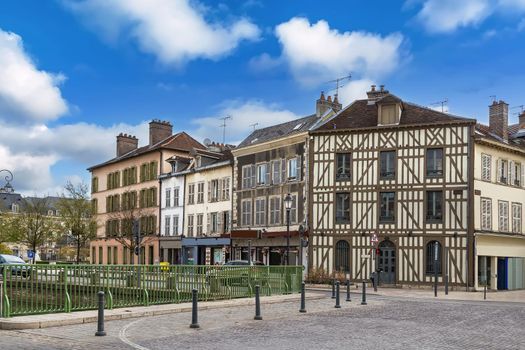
(288, 206)
(8, 188)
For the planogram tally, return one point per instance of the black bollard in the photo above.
(375, 281)
(303, 298)
(100, 324)
(348, 290)
(485, 292)
(257, 304)
(333, 288)
(337, 296)
(446, 284)
(363, 301)
(194, 315)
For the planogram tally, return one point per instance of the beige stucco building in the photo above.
(126, 189)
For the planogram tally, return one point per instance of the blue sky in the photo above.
(73, 74)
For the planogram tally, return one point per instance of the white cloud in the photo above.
(26, 93)
(264, 62)
(174, 31)
(355, 90)
(443, 16)
(513, 4)
(244, 115)
(316, 53)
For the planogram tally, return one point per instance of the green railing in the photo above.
(37, 289)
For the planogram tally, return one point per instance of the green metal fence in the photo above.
(36, 289)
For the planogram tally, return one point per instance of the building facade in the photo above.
(268, 165)
(126, 189)
(389, 192)
(499, 200)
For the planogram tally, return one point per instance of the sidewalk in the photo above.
(514, 296)
(79, 317)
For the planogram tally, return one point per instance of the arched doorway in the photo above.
(387, 262)
(342, 256)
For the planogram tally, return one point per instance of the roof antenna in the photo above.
(521, 107)
(223, 126)
(254, 125)
(443, 103)
(493, 98)
(338, 84)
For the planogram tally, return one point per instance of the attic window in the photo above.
(298, 126)
(254, 140)
(388, 114)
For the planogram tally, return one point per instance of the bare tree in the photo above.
(76, 212)
(121, 219)
(35, 226)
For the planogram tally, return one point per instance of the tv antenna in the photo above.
(493, 98)
(223, 126)
(521, 107)
(254, 126)
(443, 103)
(338, 83)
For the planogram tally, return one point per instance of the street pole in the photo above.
(250, 252)
(436, 269)
(446, 271)
(287, 236)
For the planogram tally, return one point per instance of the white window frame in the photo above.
(200, 224)
(276, 171)
(247, 176)
(167, 225)
(175, 219)
(167, 198)
(503, 216)
(200, 192)
(517, 217)
(176, 196)
(191, 224)
(214, 222)
(291, 168)
(262, 170)
(486, 214)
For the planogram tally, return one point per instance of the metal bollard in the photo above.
(257, 304)
(303, 298)
(363, 301)
(337, 296)
(194, 315)
(446, 284)
(375, 281)
(485, 292)
(100, 324)
(333, 288)
(348, 290)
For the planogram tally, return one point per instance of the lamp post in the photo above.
(8, 188)
(288, 206)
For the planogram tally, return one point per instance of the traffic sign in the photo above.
(374, 239)
(30, 254)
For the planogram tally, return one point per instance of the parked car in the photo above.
(243, 263)
(21, 268)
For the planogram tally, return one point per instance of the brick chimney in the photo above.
(499, 119)
(522, 121)
(322, 105)
(126, 143)
(159, 130)
(375, 94)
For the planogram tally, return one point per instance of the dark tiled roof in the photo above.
(483, 132)
(362, 114)
(179, 142)
(279, 130)
(8, 199)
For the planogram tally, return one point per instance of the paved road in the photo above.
(386, 322)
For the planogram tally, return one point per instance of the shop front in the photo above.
(205, 250)
(170, 249)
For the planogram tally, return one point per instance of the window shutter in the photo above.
(118, 178)
(209, 191)
(267, 175)
(253, 173)
(523, 175)
(219, 191)
(208, 223)
(299, 163)
(512, 172)
(283, 170)
(220, 226)
(499, 172)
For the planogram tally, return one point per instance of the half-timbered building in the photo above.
(388, 168)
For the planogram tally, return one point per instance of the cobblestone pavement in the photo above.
(386, 322)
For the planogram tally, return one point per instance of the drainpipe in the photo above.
(160, 199)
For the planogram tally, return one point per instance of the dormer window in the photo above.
(389, 114)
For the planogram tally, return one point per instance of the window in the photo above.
(293, 169)
(93, 255)
(226, 226)
(150, 254)
(503, 209)
(387, 206)
(276, 172)
(516, 217)
(435, 162)
(342, 256)
(129, 200)
(94, 206)
(342, 208)
(125, 255)
(293, 209)
(94, 184)
(190, 225)
(200, 219)
(200, 192)
(129, 176)
(113, 180)
(344, 162)
(168, 197)
(263, 174)
(191, 194)
(388, 164)
(148, 171)
(100, 255)
(115, 255)
(486, 167)
(502, 171)
(515, 173)
(112, 228)
(176, 192)
(486, 214)
(275, 210)
(260, 211)
(15, 208)
(225, 189)
(148, 224)
(175, 220)
(434, 206)
(246, 212)
(213, 191)
(112, 203)
(248, 176)
(388, 114)
(433, 257)
(214, 222)
(109, 260)
(167, 224)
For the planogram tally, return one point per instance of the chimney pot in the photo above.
(499, 119)
(159, 130)
(329, 99)
(373, 88)
(381, 87)
(522, 120)
(126, 143)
